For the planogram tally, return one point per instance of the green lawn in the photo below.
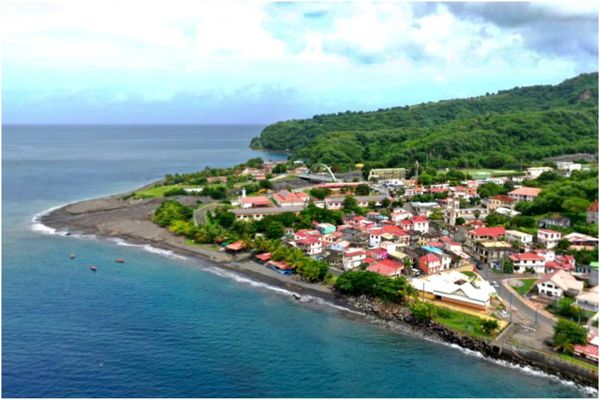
(155, 191)
(461, 322)
(470, 274)
(526, 287)
(486, 173)
(579, 362)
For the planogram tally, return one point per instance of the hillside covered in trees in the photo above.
(506, 129)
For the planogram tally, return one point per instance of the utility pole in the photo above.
(510, 307)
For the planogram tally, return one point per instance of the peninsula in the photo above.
(472, 222)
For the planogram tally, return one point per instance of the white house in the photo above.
(353, 257)
(588, 300)
(548, 238)
(555, 284)
(310, 245)
(528, 261)
(524, 193)
(535, 172)
(522, 238)
(420, 223)
(455, 288)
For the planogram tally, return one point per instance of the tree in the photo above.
(275, 230)
(280, 169)
(459, 221)
(567, 334)
(320, 193)
(489, 325)
(422, 311)
(508, 267)
(350, 204)
(265, 184)
(575, 204)
(490, 189)
(170, 211)
(425, 179)
(362, 190)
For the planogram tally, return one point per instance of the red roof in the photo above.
(352, 253)
(430, 257)
(495, 231)
(438, 190)
(386, 267)
(547, 231)
(239, 245)
(526, 257)
(587, 349)
(286, 196)
(264, 256)
(419, 218)
(280, 265)
(260, 200)
(394, 230)
(503, 198)
(526, 191)
(307, 241)
(593, 206)
(436, 244)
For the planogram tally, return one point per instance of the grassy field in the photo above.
(470, 274)
(486, 173)
(461, 322)
(525, 287)
(579, 362)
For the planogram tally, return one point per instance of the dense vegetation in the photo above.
(506, 129)
(372, 284)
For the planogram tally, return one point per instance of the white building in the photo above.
(454, 287)
(548, 238)
(555, 284)
(524, 239)
(523, 262)
(353, 257)
(420, 223)
(535, 172)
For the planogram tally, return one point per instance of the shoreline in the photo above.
(103, 218)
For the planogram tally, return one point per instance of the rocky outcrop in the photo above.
(402, 317)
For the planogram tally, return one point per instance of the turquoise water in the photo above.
(158, 326)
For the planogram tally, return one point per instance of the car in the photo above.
(479, 266)
(495, 284)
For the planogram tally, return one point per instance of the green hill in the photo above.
(497, 130)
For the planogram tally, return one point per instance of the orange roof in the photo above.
(264, 256)
(239, 245)
(485, 231)
(526, 191)
(593, 206)
(503, 198)
(430, 257)
(255, 200)
(386, 267)
(526, 257)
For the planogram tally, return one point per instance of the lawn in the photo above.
(579, 362)
(486, 173)
(461, 322)
(470, 274)
(155, 191)
(525, 287)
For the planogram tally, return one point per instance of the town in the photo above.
(498, 252)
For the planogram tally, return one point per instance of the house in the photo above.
(588, 299)
(325, 228)
(554, 221)
(548, 238)
(592, 213)
(524, 193)
(255, 202)
(455, 288)
(280, 266)
(485, 233)
(492, 252)
(579, 241)
(567, 167)
(235, 247)
(336, 203)
(430, 263)
(589, 350)
(399, 215)
(353, 257)
(564, 262)
(523, 239)
(263, 257)
(261, 212)
(286, 198)
(311, 246)
(528, 262)
(387, 267)
(420, 223)
(500, 200)
(535, 172)
(555, 284)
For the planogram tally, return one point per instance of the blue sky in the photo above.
(257, 62)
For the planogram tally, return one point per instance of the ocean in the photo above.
(161, 326)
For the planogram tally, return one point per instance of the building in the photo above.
(555, 284)
(592, 213)
(387, 267)
(521, 238)
(485, 233)
(387, 173)
(500, 200)
(535, 172)
(557, 221)
(430, 263)
(454, 287)
(588, 351)
(286, 198)
(311, 246)
(567, 167)
(325, 228)
(524, 193)
(588, 299)
(579, 241)
(548, 238)
(336, 203)
(420, 223)
(255, 202)
(528, 262)
(492, 252)
(353, 258)
(261, 212)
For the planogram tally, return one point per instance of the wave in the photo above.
(37, 226)
(148, 248)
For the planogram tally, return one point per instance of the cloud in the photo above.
(198, 61)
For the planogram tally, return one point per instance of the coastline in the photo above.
(128, 223)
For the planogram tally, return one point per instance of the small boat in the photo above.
(297, 296)
(120, 260)
(93, 268)
(71, 256)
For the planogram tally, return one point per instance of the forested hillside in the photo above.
(498, 130)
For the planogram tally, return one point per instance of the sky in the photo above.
(180, 61)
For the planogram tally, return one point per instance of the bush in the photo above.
(489, 325)
(369, 283)
(567, 334)
(170, 211)
(422, 311)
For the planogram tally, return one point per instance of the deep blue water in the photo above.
(156, 326)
